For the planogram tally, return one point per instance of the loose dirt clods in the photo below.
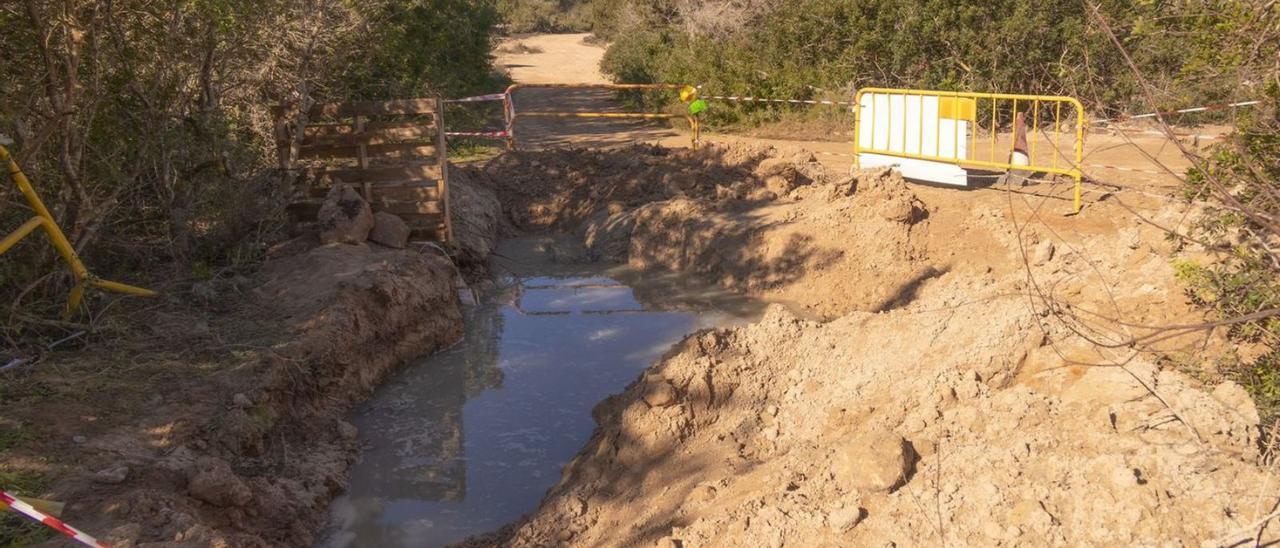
(934, 377)
(953, 395)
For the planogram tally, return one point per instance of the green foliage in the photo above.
(521, 16)
(146, 127)
(1243, 175)
(16, 530)
(428, 47)
(827, 48)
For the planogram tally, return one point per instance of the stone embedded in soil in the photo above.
(668, 542)
(660, 394)
(389, 230)
(846, 518)
(113, 475)
(877, 461)
(212, 480)
(348, 431)
(345, 217)
(241, 401)
(1043, 253)
(607, 234)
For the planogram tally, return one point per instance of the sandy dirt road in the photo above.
(1143, 164)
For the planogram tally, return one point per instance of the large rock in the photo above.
(607, 234)
(389, 230)
(212, 480)
(345, 217)
(877, 461)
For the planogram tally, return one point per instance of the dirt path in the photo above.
(1136, 162)
(569, 59)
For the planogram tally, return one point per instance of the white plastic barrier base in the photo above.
(920, 170)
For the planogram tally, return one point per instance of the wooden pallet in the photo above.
(393, 152)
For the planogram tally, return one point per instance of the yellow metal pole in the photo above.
(45, 220)
(51, 227)
(857, 128)
(1079, 150)
(22, 232)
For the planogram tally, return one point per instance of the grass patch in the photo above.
(16, 530)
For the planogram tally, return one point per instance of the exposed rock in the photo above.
(345, 217)
(477, 216)
(669, 542)
(1043, 253)
(661, 394)
(876, 461)
(212, 480)
(348, 431)
(113, 475)
(389, 230)
(241, 401)
(607, 234)
(846, 518)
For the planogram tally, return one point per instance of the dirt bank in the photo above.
(985, 374)
(221, 423)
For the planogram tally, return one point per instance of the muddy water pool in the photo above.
(468, 440)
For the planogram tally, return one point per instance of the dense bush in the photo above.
(146, 126)
(827, 48)
(521, 16)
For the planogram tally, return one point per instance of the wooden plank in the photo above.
(447, 235)
(399, 150)
(372, 137)
(404, 209)
(403, 191)
(373, 108)
(426, 173)
(406, 193)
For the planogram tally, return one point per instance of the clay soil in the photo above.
(945, 367)
(215, 417)
(941, 367)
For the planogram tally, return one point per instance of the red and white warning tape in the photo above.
(50, 521)
(483, 134)
(1208, 108)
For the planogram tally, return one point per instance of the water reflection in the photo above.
(471, 438)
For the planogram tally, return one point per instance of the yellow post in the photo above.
(44, 219)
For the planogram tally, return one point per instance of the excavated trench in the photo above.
(465, 441)
(934, 365)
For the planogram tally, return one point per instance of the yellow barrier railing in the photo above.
(900, 122)
(512, 114)
(44, 220)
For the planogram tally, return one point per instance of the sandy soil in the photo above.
(969, 382)
(1140, 162)
(950, 367)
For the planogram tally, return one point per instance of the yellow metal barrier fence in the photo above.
(945, 127)
(512, 114)
(44, 219)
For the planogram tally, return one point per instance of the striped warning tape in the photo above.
(1207, 108)
(483, 134)
(479, 98)
(766, 100)
(1129, 169)
(1207, 136)
(53, 523)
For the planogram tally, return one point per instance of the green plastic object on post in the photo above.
(697, 107)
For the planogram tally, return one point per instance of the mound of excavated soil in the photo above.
(248, 448)
(981, 379)
(923, 428)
